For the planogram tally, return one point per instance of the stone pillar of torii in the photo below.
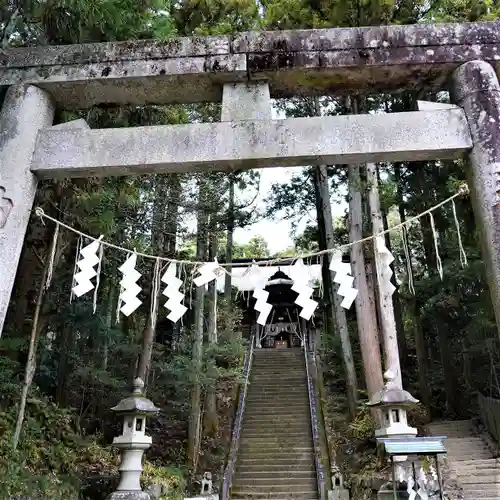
(31, 149)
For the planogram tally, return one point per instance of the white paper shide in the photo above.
(86, 265)
(174, 295)
(343, 277)
(129, 287)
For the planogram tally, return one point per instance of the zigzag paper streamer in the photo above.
(386, 259)
(87, 271)
(130, 289)
(342, 271)
(175, 297)
(207, 273)
(300, 285)
(261, 295)
(262, 306)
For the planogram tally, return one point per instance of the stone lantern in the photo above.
(393, 401)
(133, 442)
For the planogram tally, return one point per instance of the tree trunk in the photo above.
(172, 215)
(229, 244)
(365, 312)
(23, 287)
(157, 243)
(449, 374)
(29, 371)
(420, 347)
(197, 353)
(111, 308)
(211, 420)
(325, 224)
(384, 285)
(396, 301)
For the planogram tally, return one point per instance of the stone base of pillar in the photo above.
(387, 493)
(129, 495)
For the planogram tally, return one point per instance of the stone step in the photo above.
(480, 479)
(284, 392)
(282, 373)
(269, 362)
(262, 351)
(476, 471)
(255, 410)
(281, 366)
(250, 422)
(258, 397)
(272, 476)
(266, 383)
(489, 462)
(290, 454)
(309, 490)
(469, 456)
(469, 459)
(282, 418)
(281, 481)
(274, 497)
(477, 490)
(465, 440)
(278, 408)
(279, 378)
(257, 450)
(464, 426)
(281, 461)
(304, 433)
(236, 495)
(284, 424)
(280, 400)
(466, 444)
(257, 467)
(248, 445)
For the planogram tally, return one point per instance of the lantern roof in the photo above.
(391, 394)
(137, 402)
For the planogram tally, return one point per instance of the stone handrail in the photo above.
(489, 411)
(320, 474)
(238, 421)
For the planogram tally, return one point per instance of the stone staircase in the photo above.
(276, 454)
(469, 459)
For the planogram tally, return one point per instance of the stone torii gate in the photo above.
(245, 71)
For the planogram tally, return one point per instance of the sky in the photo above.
(277, 233)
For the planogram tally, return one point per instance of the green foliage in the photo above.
(215, 17)
(52, 455)
(362, 427)
(255, 248)
(171, 479)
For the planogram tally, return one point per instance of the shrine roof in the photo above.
(298, 62)
(244, 280)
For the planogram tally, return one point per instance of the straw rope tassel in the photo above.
(52, 257)
(439, 264)
(409, 270)
(98, 278)
(463, 255)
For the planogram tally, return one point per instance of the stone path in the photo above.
(276, 455)
(469, 459)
